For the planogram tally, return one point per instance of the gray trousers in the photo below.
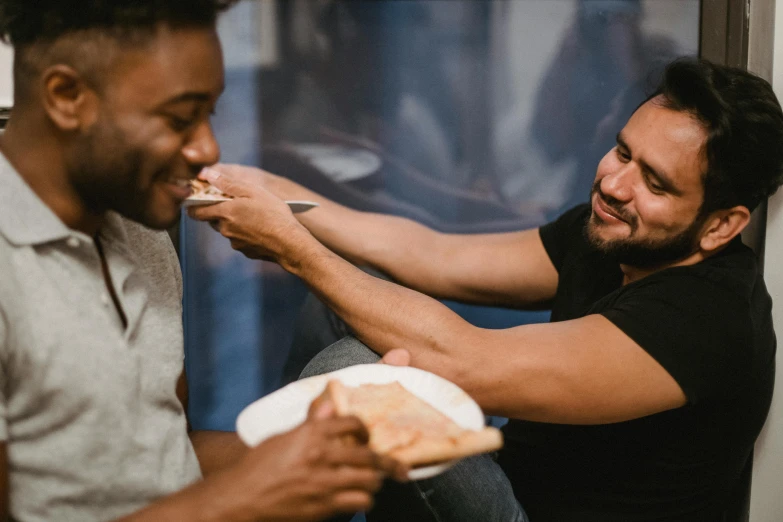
(474, 490)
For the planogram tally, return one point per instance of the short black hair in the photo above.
(27, 22)
(77, 31)
(744, 124)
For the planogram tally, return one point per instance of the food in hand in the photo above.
(203, 190)
(407, 428)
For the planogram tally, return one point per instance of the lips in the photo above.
(178, 188)
(605, 212)
(180, 182)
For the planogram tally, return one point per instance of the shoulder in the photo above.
(718, 294)
(723, 284)
(708, 325)
(735, 270)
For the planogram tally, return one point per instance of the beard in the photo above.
(105, 172)
(641, 253)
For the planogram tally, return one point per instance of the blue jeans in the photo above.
(474, 490)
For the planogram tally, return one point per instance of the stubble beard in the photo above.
(640, 253)
(104, 172)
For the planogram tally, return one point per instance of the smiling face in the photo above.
(151, 133)
(648, 189)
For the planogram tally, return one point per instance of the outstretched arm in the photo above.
(581, 371)
(506, 269)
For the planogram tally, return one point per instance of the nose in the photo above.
(618, 184)
(202, 149)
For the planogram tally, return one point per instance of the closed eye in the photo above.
(623, 155)
(180, 124)
(654, 186)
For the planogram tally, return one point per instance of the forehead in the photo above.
(172, 63)
(669, 141)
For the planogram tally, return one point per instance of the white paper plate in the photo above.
(296, 206)
(200, 202)
(286, 408)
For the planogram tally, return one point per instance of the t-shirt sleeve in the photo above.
(690, 326)
(558, 236)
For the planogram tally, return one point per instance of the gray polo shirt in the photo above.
(93, 426)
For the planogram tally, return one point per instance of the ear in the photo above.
(70, 102)
(722, 226)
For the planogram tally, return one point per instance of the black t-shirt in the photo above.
(710, 326)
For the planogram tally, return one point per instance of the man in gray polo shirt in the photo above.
(111, 121)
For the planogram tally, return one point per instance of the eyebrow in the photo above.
(192, 96)
(660, 177)
(188, 97)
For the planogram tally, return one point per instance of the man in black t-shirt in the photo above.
(709, 326)
(642, 399)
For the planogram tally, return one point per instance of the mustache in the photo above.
(613, 203)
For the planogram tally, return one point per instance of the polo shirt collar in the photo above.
(25, 219)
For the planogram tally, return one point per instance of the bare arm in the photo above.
(215, 450)
(585, 371)
(582, 371)
(305, 474)
(507, 269)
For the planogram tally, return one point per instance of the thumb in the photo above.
(397, 357)
(323, 411)
(227, 181)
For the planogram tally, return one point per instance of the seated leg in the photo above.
(346, 352)
(474, 490)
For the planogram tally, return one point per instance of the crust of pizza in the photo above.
(405, 427)
(430, 451)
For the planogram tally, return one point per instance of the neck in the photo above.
(31, 146)
(635, 273)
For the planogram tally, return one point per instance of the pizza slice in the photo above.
(407, 428)
(203, 190)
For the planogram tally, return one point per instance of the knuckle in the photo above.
(314, 454)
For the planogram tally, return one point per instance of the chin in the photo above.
(156, 218)
(598, 234)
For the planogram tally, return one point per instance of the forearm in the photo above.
(406, 251)
(211, 500)
(217, 450)
(510, 269)
(579, 372)
(399, 247)
(382, 314)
